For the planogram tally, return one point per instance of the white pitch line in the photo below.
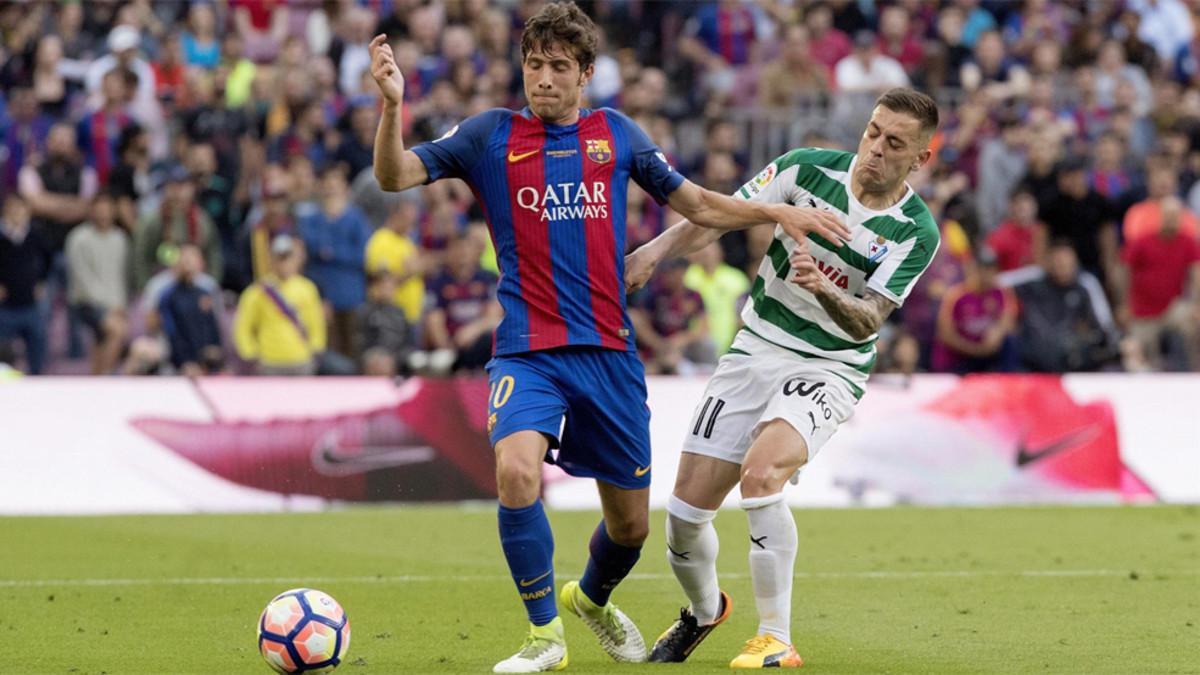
(416, 579)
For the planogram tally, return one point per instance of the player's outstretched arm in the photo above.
(715, 210)
(395, 168)
(682, 238)
(859, 317)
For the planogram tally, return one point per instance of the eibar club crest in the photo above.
(598, 150)
(877, 249)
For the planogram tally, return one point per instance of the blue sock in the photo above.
(609, 563)
(528, 546)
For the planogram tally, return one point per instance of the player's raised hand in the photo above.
(805, 272)
(386, 73)
(639, 266)
(799, 221)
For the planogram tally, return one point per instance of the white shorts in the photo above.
(766, 383)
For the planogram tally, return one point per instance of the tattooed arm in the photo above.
(859, 317)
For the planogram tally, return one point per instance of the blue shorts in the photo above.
(602, 394)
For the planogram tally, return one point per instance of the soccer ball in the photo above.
(303, 631)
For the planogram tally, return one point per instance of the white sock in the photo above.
(772, 557)
(692, 551)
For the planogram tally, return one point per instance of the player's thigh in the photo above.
(523, 396)
(703, 481)
(808, 403)
(728, 411)
(607, 431)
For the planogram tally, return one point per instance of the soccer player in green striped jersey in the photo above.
(798, 367)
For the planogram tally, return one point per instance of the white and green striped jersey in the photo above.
(887, 253)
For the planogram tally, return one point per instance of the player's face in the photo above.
(554, 83)
(892, 146)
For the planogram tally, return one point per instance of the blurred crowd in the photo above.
(187, 186)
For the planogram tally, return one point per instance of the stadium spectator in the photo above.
(1112, 68)
(177, 221)
(392, 249)
(976, 323)
(97, 254)
(99, 130)
(53, 91)
(867, 70)
(336, 240)
(280, 323)
(1002, 164)
(271, 219)
(793, 78)
(897, 39)
(1109, 175)
(1063, 326)
(189, 318)
(24, 267)
(1162, 271)
(262, 26)
(123, 44)
(1077, 213)
(1021, 239)
(1165, 24)
(1145, 218)
(214, 196)
(827, 45)
(464, 312)
(976, 21)
(129, 181)
(671, 326)
(200, 46)
(723, 289)
(386, 338)
(357, 148)
(992, 71)
(59, 188)
(25, 132)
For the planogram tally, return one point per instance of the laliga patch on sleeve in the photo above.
(663, 158)
(759, 182)
(448, 134)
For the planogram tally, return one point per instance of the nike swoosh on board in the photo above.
(1027, 455)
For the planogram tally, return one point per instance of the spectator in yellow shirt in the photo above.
(391, 249)
(280, 323)
(723, 287)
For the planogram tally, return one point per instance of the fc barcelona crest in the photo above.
(598, 150)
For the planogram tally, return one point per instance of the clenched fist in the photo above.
(805, 272)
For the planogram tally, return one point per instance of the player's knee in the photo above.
(518, 478)
(765, 478)
(630, 532)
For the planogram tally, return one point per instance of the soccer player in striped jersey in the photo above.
(552, 180)
(798, 367)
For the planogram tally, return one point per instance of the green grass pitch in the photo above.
(1053, 590)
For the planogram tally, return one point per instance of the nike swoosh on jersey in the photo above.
(1027, 455)
(534, 580)
(516, 157)
(640, 471)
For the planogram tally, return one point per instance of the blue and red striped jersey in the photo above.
(554, 197)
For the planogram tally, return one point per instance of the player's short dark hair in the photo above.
(912, 102)
(563, 24)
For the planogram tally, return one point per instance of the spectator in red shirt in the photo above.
(1145, 217)
(896, 38)
(826, 44)
(1162, 278)
(671, 326)
(1021, 239)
